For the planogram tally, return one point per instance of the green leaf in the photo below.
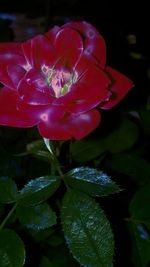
(38, 190)
(45, 262)
(139, 207)
(91, 181)
(120, 139)
(37, 217)
(59, 257)
(87, 230)
(42, 235)
(145, 120)
(35, 146)
(132, 165)
(123, 137)
(8, 190)
(139, 224)
(12, 252)
(38, 149)
(140, 244)
(87, 149)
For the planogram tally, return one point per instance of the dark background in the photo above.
(115, 21)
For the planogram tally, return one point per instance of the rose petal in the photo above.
(66, 126)
(87, 92)
(4, 77)
(42, 52)
(121, 86)
(36, 80)
(93, 42)
(16, 73)
(10, 54)
(27, 51)
(67, 54)
(35, 112)
(54, 125)
(52, 34)
(38, 52)
(31, 95)
(9, 113)
(14, 48)
(84, 123)
(85, 62)
(7, 59)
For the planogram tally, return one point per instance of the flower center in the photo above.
(59, 80)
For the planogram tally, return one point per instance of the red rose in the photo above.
(57, 81)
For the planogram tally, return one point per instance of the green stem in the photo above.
(8, 216)
(55, 164)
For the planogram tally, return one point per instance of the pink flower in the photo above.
(58, 81)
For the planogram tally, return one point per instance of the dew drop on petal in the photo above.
(90, 34)
(44, 117)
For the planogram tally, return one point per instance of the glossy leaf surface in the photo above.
(38, 190)
(12, 251)
(91, 181)
(87, 230)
